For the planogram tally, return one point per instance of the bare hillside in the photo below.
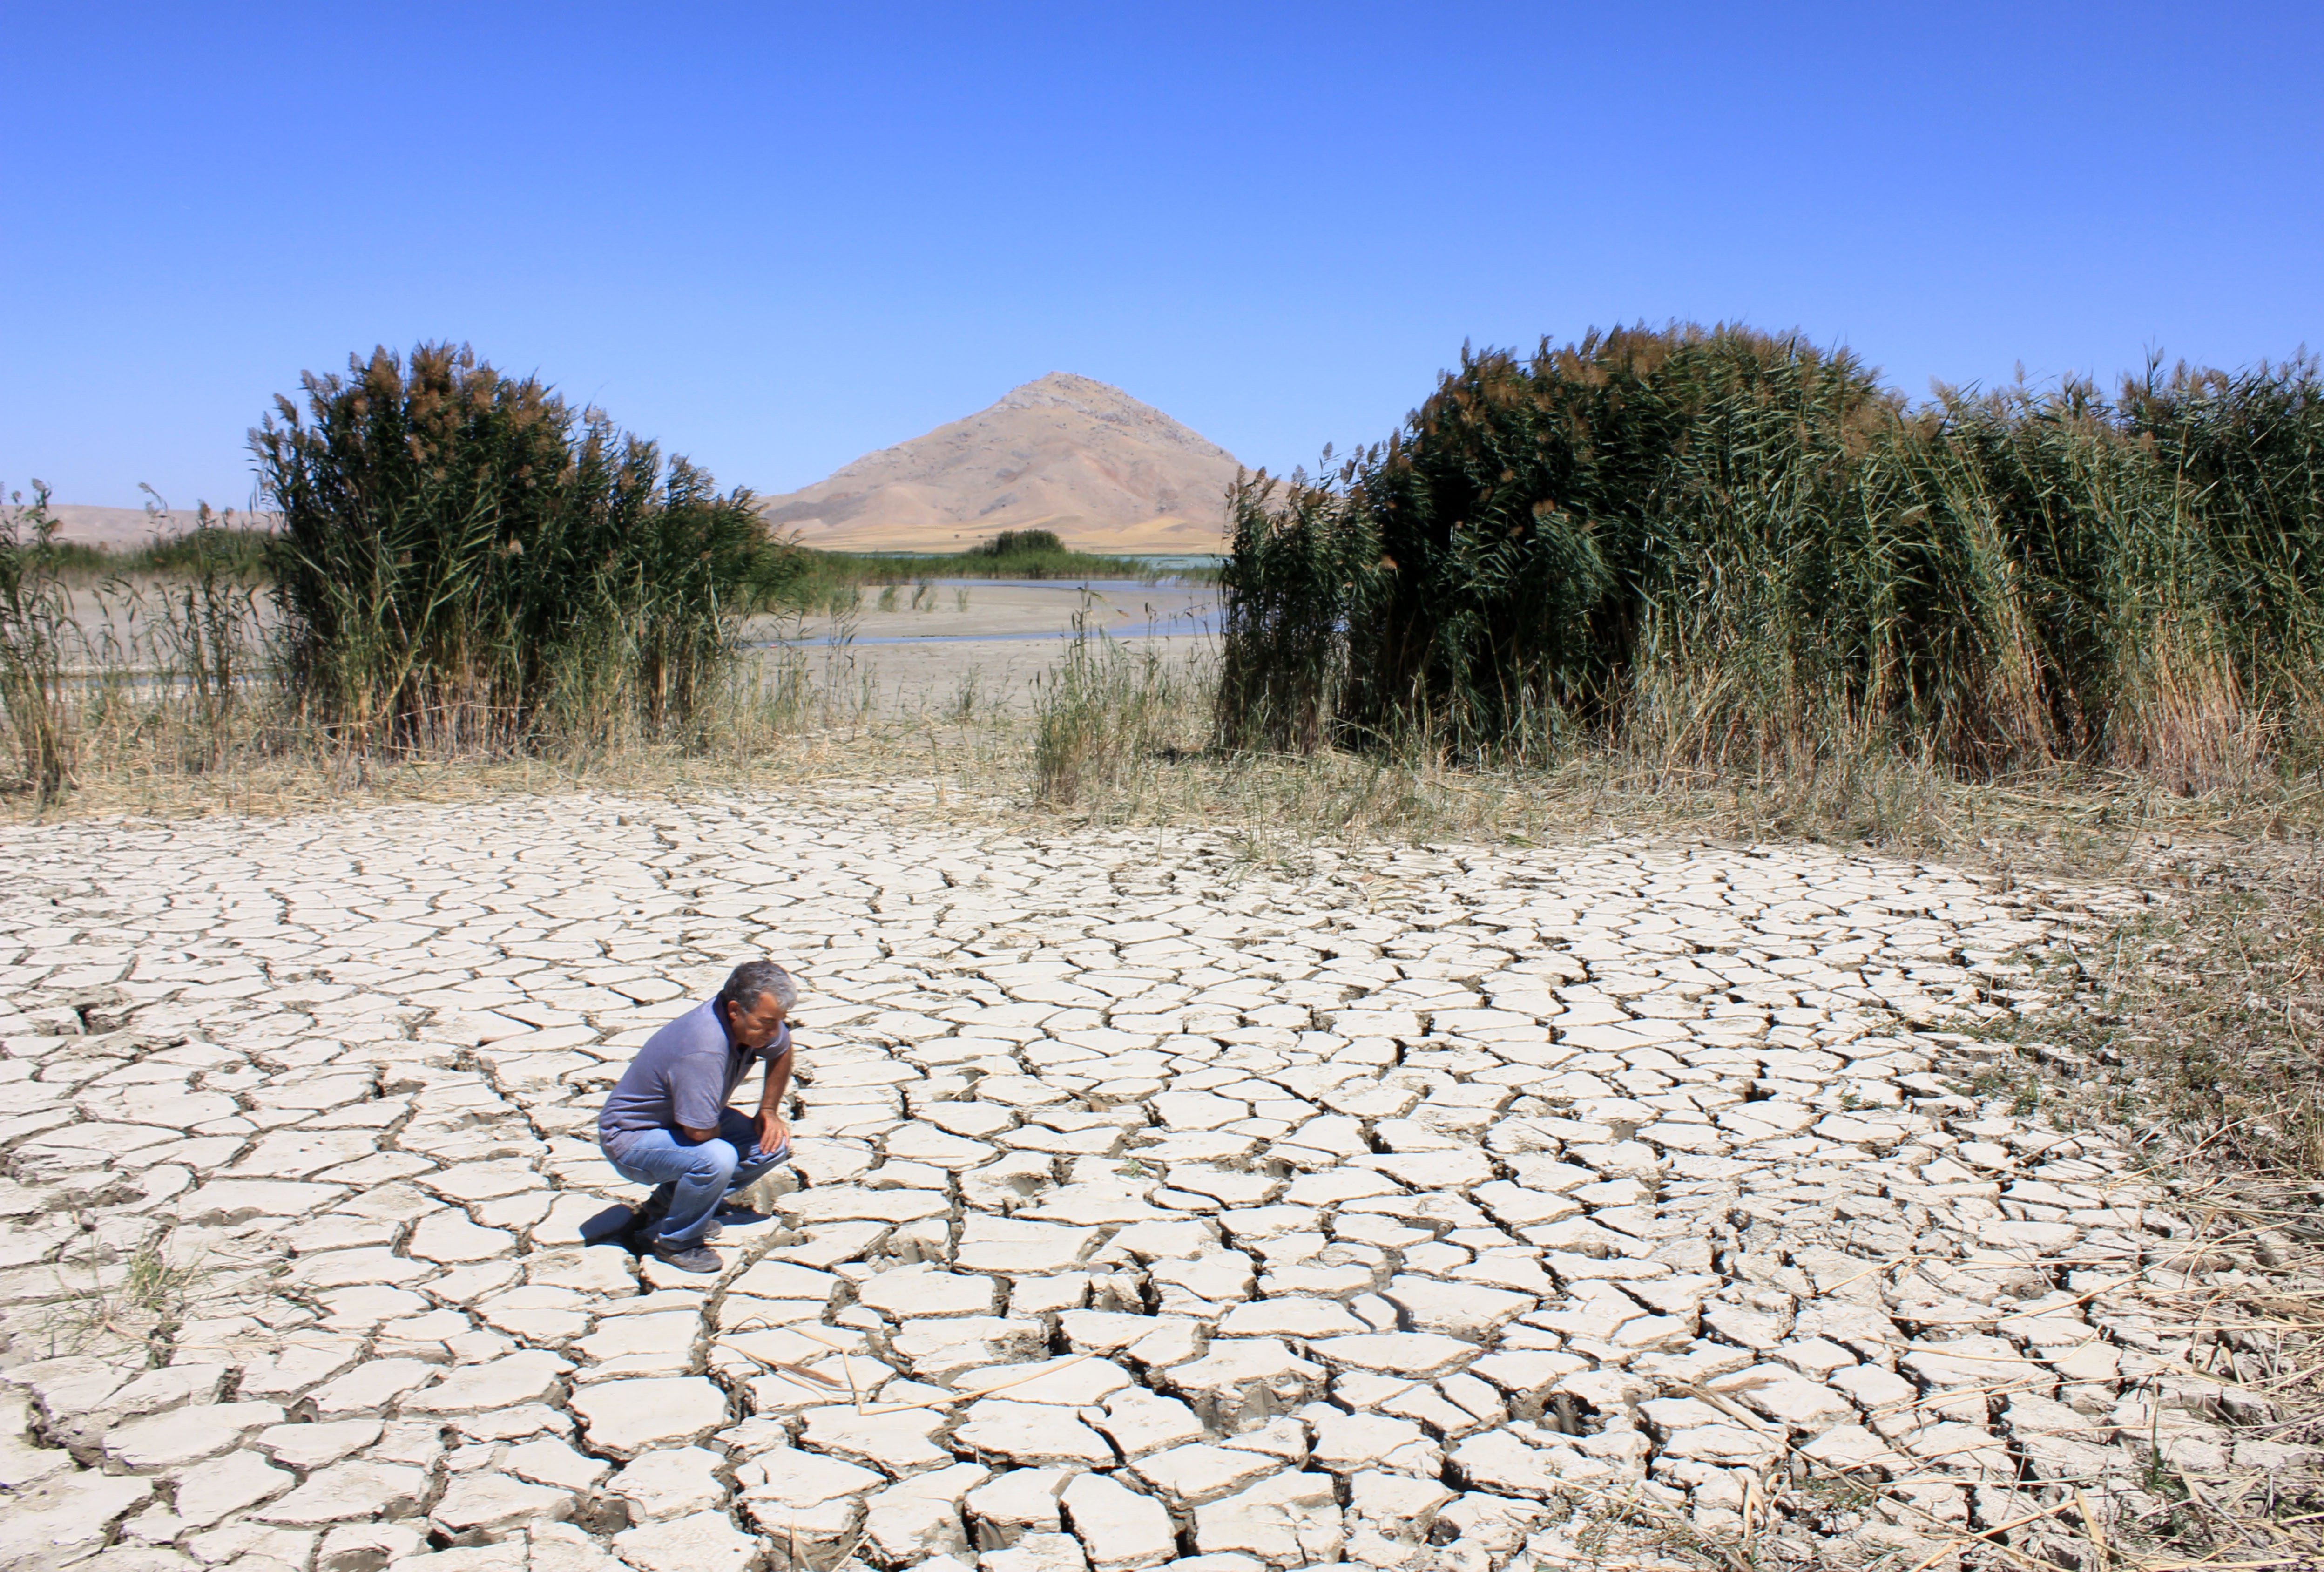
(1066, 453)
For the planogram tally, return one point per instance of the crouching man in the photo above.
(667, 1122)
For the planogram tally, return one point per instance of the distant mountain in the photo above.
(1106, 472)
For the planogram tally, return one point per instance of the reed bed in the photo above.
(217, 542)
(462, 565)
(1719, 548)
(464, 562)
(792, 576)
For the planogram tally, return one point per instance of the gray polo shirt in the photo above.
(684, 1075)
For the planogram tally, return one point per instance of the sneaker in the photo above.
(689, 1257)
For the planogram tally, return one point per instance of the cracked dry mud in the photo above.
(1460, 1208)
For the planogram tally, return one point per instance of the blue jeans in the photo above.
(700, 1175)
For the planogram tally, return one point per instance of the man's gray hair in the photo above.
(751, 981)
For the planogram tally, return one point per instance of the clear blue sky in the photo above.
(776, 236)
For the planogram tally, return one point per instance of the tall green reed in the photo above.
(207, 642)
(465, 562)
(35, 622)
(1285, 592)
(1724, 549)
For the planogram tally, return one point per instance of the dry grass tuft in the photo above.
(2189, 1033)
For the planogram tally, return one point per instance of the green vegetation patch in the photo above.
(1738, 552)
(216, 544)
(465, 561)
(788, 576)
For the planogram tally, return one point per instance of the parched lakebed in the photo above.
(1460, 1207)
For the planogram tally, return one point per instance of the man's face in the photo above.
(754, 1027)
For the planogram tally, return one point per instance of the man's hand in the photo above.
(773, 1134)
